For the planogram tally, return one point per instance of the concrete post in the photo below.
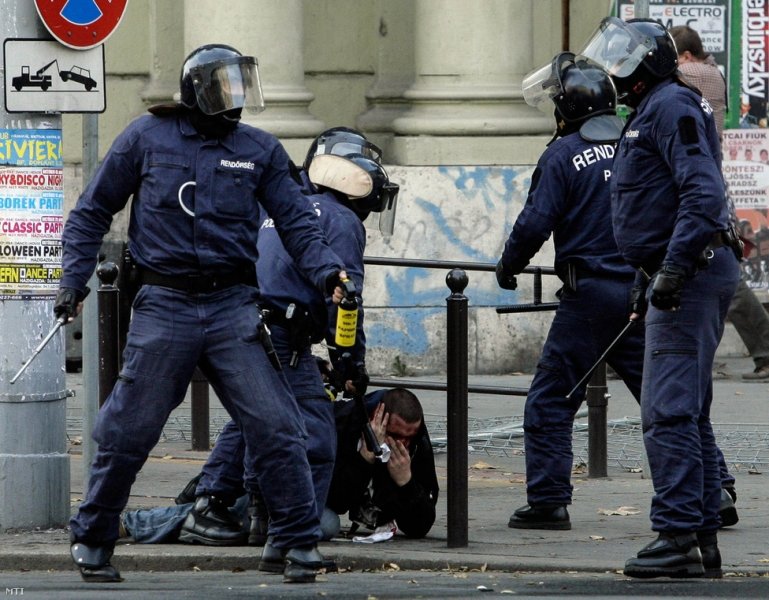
(34, 464)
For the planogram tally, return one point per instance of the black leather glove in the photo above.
(638, 299)
(505, 280)
(66, 304)
(667, 284)
(359, 379)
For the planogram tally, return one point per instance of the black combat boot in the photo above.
(540, 517)
(302, 565)
(711, 557)
(670, 555)
(726, 510)
(212, 524)
(257, 514)
(93, 563)
(275, 560)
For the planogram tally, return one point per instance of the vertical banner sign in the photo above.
(31, 213)
(746, 144)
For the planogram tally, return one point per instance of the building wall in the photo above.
(460, 193)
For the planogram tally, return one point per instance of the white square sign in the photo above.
(46, 76)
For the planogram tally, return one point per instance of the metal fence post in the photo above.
(108, 297)
(597, 399)
(456, 398)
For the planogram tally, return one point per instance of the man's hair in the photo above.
(687, 38)
(400, 401)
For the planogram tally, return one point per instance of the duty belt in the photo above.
(198, 284)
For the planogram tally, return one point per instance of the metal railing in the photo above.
(456, 384)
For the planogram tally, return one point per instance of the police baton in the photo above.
(59, 322)
(603, 356)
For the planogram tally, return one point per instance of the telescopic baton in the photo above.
(59, 322)
(603, 356)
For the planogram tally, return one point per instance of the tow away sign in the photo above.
(44, 76)
(81, 24)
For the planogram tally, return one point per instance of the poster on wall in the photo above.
(31, 213)
(746, 171)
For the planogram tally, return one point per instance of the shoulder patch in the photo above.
(687, 129)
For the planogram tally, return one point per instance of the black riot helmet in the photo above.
(578, 87)
(217, 78)
(342, 159)
(637, 54)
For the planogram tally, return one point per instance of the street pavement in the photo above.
(609, 515)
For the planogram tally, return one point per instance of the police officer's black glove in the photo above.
(66, 303)
(505, 280)
(667, 284)
(360, 379)
(638, 299)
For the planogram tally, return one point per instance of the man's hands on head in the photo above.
(379, 426)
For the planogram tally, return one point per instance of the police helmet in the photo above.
(342, 159)
(633, 51)
(217, 78)
(578, 87)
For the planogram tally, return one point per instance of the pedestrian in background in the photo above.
(746, 312)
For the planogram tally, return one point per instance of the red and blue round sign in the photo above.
(81, 24)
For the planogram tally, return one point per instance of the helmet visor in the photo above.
(617, 48)
(227, 84)
(543, 84)
(343, 145)
(389, 198)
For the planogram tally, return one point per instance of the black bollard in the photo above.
(456, 400)
(108, 297)
(199, 404)
(597, 399)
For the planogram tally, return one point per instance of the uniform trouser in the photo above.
(223, 471)
(171, 333)
(585, 323)
(676, 395)
(751, 321)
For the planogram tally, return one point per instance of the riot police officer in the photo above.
(345, 182)
(569, 197)
(198, 177)
(670, 218)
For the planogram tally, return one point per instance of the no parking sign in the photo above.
(81, 24)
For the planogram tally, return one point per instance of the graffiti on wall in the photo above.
(444, 213)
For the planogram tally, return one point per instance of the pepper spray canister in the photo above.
(347, 316)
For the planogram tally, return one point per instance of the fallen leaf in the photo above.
(482, 465)
(393, 567)
(622, 511)
(483, 588)
(766, 560)
(597, 537)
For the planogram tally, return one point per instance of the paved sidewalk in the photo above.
(609, 515)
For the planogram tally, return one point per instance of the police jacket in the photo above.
(668, 196)
(569, 197)
(282, 283)
(195, 207)
(356, 483)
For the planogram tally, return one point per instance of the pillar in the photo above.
(465, 104)
(270, 30)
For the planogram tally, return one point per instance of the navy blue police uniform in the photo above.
(669, 208)
(193, 234)
(287, 291)
(569, 197)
